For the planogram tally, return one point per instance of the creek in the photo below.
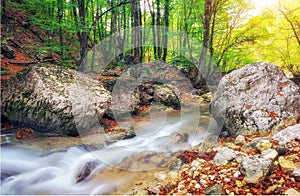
(120, 165)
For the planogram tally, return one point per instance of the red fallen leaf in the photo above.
(6, 126)
(20, 134)
(248, 107)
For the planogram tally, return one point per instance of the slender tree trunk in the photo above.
(166, 19)
(3, 11)
(135, 8)
(153, 29)
(60, 17)
(158, 29)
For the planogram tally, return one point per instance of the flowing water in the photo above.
(119, 166)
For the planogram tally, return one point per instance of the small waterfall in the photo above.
(31, 173)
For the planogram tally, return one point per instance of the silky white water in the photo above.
(31, 173)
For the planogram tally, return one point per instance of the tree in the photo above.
(137, 35)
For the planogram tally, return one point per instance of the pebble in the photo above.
(286, 164)
(269, 154)
(236, 174)
(296, 174)
(195, 163)
(281, 149)
(211, 177)
(203, 182)
(240, 140)
(197, 186)
(292, 191)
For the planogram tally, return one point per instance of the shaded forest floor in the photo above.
(26, 40)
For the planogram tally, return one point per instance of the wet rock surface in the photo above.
(257, 98)
(86, 170)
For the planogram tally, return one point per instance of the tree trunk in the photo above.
(3, 11)
(60, 16)
(135, 9)
(158, 29)
(153, 29)
(166, 19)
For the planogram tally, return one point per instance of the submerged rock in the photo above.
(54, 100)
(256, 99)
(86, 170)
(255, 169)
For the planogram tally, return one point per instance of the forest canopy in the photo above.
(234, 32)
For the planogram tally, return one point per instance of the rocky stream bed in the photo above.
(157, 140)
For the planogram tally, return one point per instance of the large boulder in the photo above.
(256, 99)
(54, 100)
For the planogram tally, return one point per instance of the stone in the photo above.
(232, 146)
(291, 192)
(257, 144)
(54, 100)
(269, 154)
(165, 94)
(124, 98)
(223, 156)
(296, 174)
(255, 169)
(281, 149)
(209, 143)
(286, 165)
(86, 170)
(214, 190)
(288, 134)
(7, 51)
(240, 140)
(256, 99)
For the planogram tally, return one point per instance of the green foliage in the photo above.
(241, 35)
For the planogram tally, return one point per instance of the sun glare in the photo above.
(260, 5)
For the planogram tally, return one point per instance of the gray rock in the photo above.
(54, 100)
(223, 156)
(296, 174)
(214, 190)
(288, 134)
(210, 142)
(281, 149)
(7, 51)
(165, 95)
(255, 169)
(125, 98)
(257, 144)
(256, 99)
(86, 170)
(269, 154)
(240, 140)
